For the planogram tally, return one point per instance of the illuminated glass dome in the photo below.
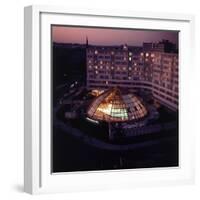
(112, 106)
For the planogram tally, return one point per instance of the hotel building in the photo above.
(148, 68)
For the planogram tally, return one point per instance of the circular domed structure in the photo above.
(112, 106)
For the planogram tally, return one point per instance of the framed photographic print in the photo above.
(107, 99)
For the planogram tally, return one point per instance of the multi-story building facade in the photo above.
(165, 79)
(148, 68)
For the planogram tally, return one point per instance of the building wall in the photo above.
(134, 69)
(165, 78)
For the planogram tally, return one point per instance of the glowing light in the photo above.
(147, 54)
(106, 109)
(112, 106)
(72, 85)
(96, 52)
(96, 92)
(113, 112)
(91, 120)
(125, 47)
(142, 54)
(130, 58)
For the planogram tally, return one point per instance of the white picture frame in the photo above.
(37, 141)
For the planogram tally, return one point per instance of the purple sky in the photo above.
(102, 36)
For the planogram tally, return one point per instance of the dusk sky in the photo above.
(103, 36)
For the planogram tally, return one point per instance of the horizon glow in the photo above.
(110, 36)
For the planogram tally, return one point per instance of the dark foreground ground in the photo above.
(71, 154)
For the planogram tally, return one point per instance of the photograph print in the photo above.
(115, 99)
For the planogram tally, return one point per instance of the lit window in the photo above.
(112, 67)
(107, 67)
(125, 47)
(130, 58)
(152, 55)
(147, 54)
(96, 67)
(142, 54)
(129, 78)
(101, 67)
(96, 72)
(90, 67)
(130, 53)
(135, 64)
(96, 52)
(112, 52)
(129, 68)
(101, 62)
(124, 68)
(106, 82)
(146, 59)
